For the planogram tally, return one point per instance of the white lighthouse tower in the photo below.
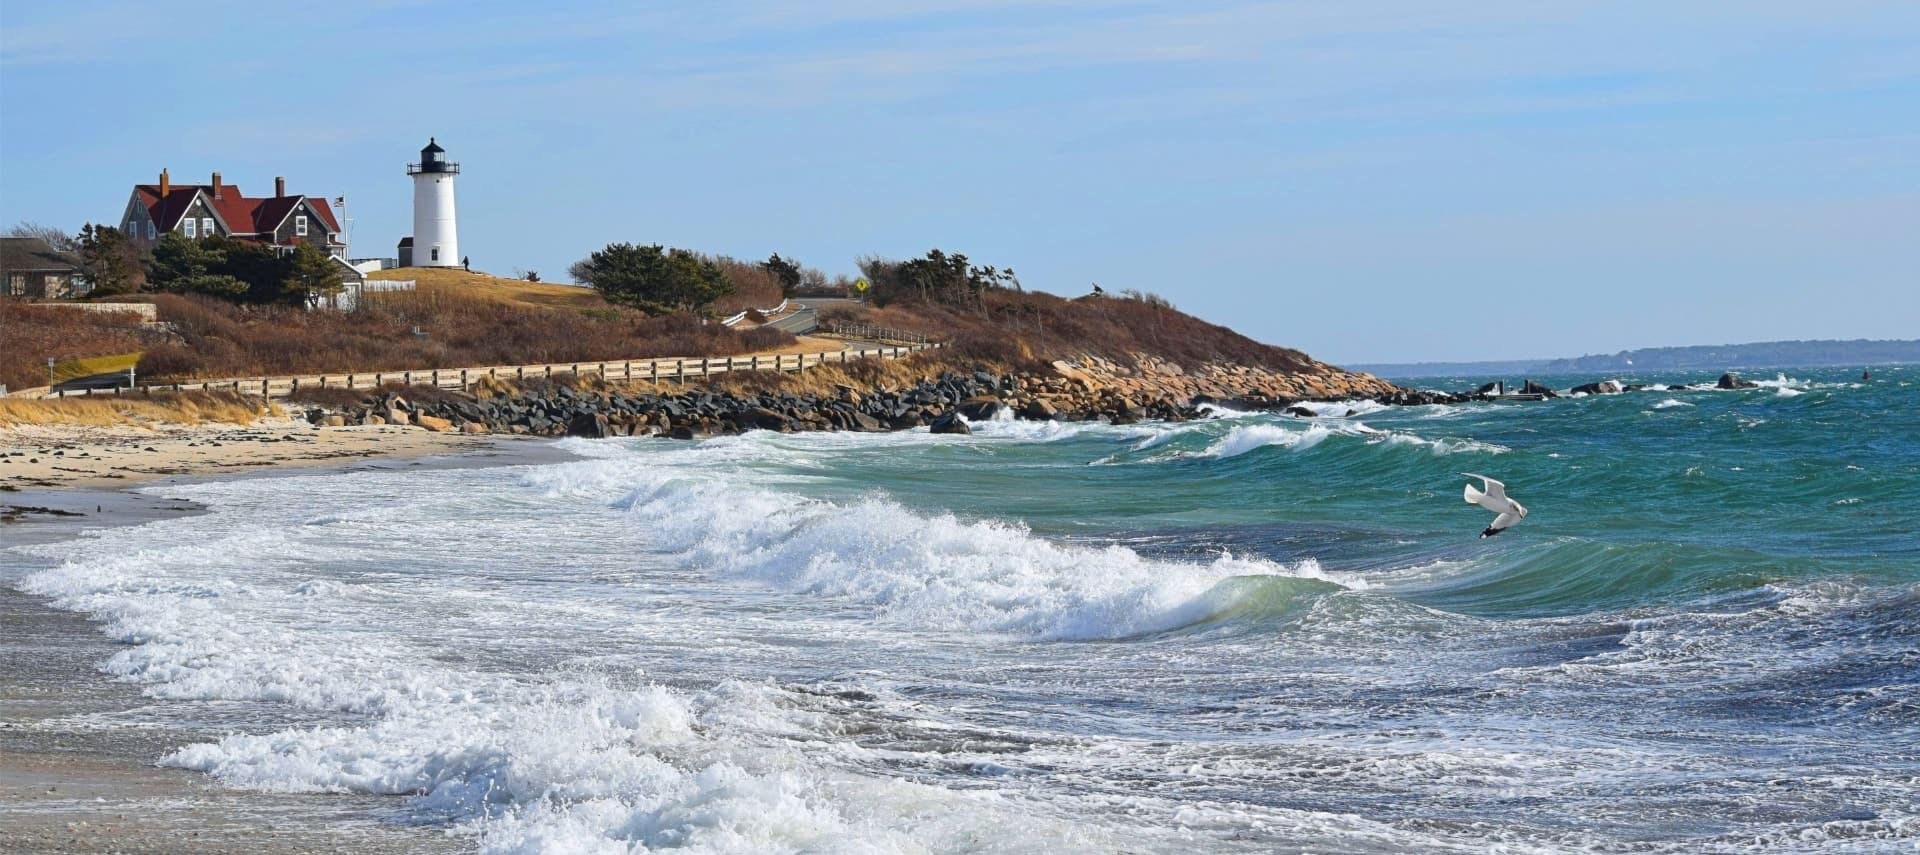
(436, 239)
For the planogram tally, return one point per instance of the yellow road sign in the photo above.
(859, 284)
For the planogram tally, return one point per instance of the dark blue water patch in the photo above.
(1334, 546)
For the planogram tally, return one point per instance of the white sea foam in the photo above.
(1670, 403)
(939, 572)
(1342, 409)
(220, 607)
(1246, 438)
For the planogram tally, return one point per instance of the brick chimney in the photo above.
(279, 186)
(166, 185)
(216, 185)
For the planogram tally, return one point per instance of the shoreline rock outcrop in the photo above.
(1091, 390)
(1095, 391)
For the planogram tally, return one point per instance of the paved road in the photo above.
(806, 319)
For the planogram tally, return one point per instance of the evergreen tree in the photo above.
(108, 261)
(785, 271)
(183, 265)
(653, 278)
(311, 274)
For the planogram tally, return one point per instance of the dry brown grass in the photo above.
(189, 408)
(29, 334)
(454, 328)
(481, 286)
(1026, 329)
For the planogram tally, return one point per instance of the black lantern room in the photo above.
(433, 158)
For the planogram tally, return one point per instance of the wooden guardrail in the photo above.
(871, 332)
(653, 370)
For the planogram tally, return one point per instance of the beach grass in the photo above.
(187, 408)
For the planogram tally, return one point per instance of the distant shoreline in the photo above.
(1755, 356)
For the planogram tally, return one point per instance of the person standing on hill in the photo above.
(466, 263)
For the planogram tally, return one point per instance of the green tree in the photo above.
(939, 277)
(183, 265)
(109, 261)
(653, 278)
(242, 271)
(785, 271)
(311, 274)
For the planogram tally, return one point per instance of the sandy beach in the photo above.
(107, 456)
(77, 754)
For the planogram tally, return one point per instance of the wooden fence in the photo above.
(652, 370)
(870, 332)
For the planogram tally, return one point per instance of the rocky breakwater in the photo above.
(588, 407)
(593, 409)
(1242, 386)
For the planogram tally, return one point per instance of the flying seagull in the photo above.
(1495, 500)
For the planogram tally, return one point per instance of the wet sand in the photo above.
(78, 749)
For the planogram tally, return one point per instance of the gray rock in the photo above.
(950, 423)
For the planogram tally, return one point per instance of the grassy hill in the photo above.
(453, 319)
(484, 286)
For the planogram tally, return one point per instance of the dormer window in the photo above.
(300, 226)
(190, 227)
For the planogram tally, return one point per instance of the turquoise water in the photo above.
(1254, 633)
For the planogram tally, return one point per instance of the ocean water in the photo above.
(1255, 633)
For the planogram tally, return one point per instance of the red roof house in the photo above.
(217, 208)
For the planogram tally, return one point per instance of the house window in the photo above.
(300, 226)
(206, 226)
(17, 284)
(149, 230)
(190, 227)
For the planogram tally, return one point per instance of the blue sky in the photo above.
(1367, 181)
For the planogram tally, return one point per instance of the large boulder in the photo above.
(1532, 388)
(1039, 410)
(1731, 380)
(980, 408)
(1604, 387)
(589, 425)
(763, 418)
(950, 423)
(433, 423)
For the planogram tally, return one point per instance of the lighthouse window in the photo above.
(300, 226)
(436, 253)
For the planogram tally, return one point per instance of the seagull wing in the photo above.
(1493, 499)
(1502, 521)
